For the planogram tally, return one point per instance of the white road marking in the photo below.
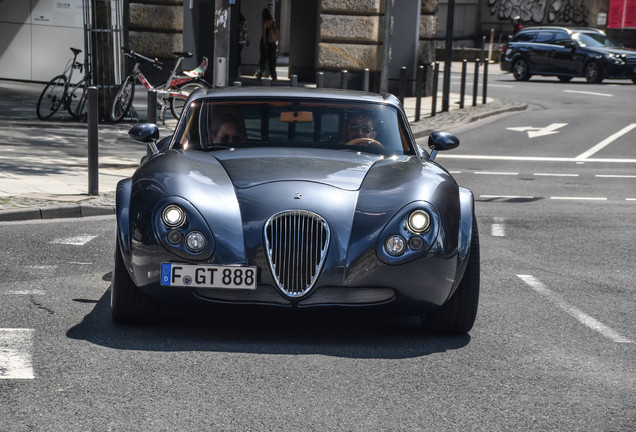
(16, 346)
(630, 199)
(26, 292)
(588, 93)
(554, 175)
(580, 316)
(534, 132)
(580, 198)
(496, 173)
(74, 241)
(532, 158)
(615, 176)
(607, 141)
(498, 227)
(506, 196)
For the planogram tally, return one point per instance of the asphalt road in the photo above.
(552, 348)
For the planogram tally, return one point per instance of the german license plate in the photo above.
(208, 276)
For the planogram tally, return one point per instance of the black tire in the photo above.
(458, 314)
(520, 70)
(129, 304)
(77, 100)
(123, 99)
(593, 72)
(52, 97)
(565, 79)
(177, 104)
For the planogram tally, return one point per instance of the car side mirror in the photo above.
(570, 45)
(146, 133)
(441, 141)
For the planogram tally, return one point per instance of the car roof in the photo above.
(276, 92)
(567, 29)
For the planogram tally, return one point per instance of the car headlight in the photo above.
(173, 216)
(195, 241)
(419, 221)
(395, 245)
(615, 59)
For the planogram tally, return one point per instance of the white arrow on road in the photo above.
(534, 132)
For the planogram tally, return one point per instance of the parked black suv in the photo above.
(566, 53)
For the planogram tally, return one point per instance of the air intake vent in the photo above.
(296, 242)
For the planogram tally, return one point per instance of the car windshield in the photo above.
(594, 40)
(212, 124)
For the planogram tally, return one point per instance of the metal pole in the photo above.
(320, 79)
(93, 158)
(418, 91)
(152, 107)
(402, 84)
(485, 86)
(434, 98)
(476, 82)
(462, 92)
(365, 81)
(344, 79)
(294, 80)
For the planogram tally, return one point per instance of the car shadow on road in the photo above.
(266, 332)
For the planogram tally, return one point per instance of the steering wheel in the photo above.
(365, 142)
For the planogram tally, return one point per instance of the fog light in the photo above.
(175, 237)
(195, 241)
(173, 216)
(419, 221)
(395, 245)
(416, 243)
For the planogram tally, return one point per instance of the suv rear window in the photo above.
(543, 37)
(523, 37)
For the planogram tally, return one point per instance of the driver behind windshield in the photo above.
(228, 130)
(360, 126)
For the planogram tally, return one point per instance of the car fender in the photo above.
(123, 193)
(467, 210)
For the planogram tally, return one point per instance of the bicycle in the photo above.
(172, 93)
(60, 93)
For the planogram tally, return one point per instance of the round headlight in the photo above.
(173, 216)
(395, 245)
(419, 221)
(195, 241)
(416, 243)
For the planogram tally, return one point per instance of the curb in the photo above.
(57, 212)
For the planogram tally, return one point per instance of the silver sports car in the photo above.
(295, 198)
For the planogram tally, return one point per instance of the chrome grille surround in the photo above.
(296, 243)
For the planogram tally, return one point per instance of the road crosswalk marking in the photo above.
(16, 345)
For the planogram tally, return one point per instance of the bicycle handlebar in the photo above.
(130, 53)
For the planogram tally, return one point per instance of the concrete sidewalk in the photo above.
(44, 164)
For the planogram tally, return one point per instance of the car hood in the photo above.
(344, 170)
(616, 51)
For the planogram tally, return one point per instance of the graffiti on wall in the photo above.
(541, 11)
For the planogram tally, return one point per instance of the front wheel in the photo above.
(129, 304)
(123, 99)
(52, 97)
(177, 103)
(593, 72)
(458, 314)
(77, 98)
(520, 70)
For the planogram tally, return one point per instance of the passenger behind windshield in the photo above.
(227, 130)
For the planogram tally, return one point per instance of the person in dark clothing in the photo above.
(269, 38)
(516, 25)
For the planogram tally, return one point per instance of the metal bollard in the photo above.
(434, 98)
(320, 79)
(365, 80)
(485, 86)
(402, 84)
(462, 91)
(152, 107)
(418, 91)
(344, 79)
(294, 80)
(93, 122)
(476, 82)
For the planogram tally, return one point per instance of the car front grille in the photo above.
(296, 242)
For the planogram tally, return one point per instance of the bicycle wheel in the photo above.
(52, 97)
(77, 100)
(176, 104)
(123, 99)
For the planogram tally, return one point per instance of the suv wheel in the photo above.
(520, 70)
(593, 72)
